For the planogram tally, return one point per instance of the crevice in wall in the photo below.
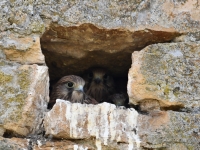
(75, 49)
(10, 134)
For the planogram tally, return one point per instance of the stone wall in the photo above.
(42, 39)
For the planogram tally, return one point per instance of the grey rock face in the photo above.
(31, 16)
(169, 130)
(168, 73)
(23, 97)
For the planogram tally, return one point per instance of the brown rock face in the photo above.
(168, 73)
(72, 50)
(24, 50)
(103, 122)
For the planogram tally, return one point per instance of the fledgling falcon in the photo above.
(70, 88)
(99, 84)
(119, 99)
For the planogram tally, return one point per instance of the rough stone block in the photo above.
(169, 130)
(162, 15)
(24, 50)
(104, 122)
(94, 45)
(13, 144)
(168, 73)
(24, 94)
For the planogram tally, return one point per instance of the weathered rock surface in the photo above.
(13, 144)
(103, 122)
(169, 130)
(168, 73)
(32, 16)
(64, 144)
(44, 144)
(97, 32)
(24, 50)
(104, 125)
(65, 48)
(76, 35)
(23, 97)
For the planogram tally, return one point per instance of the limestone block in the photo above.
(65, 47)
(24, 50)
(169, 130)
(24, 94)
(103, 122)
(32, 16)
(168, 73)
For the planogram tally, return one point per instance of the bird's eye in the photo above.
(70, 84)
(105, 76)
(90, 75)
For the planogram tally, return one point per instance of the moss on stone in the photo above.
(148, 89)
(23, 79)
(14, 93)
(4, 78)
(166, 90)
(2, 63)
(19, 101)
(37, 27)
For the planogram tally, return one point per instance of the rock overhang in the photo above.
(75, 49)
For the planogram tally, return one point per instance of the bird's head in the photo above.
(98, 76)
(71, 88)
(72, 83)
(99, 84)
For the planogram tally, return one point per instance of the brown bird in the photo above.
(70, 88)
(99, 84)
(119, 99)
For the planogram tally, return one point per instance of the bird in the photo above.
(70, 88)
(99, 84)
(119, 99)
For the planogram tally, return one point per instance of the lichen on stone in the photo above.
(18, 102)
(23, 79)
(15, 82)
(4, 78)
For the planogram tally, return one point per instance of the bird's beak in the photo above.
(97, 80)
(79, 88)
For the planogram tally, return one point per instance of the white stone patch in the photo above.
(73, 121)
(75, 147)
(98, 144)
(112, 125)
(104, 122)
(39, 143)
(92, 125)
(176, 53)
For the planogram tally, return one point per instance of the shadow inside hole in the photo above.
(120, 87)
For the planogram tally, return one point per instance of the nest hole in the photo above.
(75, 49)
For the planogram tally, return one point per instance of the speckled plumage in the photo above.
(70, 88)
(99, 84)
